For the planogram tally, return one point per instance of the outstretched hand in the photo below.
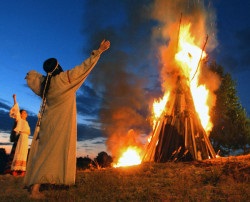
(105, 44)
(14, 98)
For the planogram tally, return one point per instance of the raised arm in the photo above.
(14, 98)
(15, 111)
(77, 75)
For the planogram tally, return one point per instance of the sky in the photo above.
(118, 94)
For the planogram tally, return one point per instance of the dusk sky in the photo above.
(126, 76)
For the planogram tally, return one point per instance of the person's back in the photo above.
(52, 156)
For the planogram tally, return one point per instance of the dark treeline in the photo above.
(102, 160)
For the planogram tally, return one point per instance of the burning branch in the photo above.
(200, 57)
(178, 33)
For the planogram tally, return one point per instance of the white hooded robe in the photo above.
(52, 157)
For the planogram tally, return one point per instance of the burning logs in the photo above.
(179, 135)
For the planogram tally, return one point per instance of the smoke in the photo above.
(123, 73)
(142, 34)
(212, 82)
(123, 107)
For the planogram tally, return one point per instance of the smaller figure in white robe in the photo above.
(22, 130)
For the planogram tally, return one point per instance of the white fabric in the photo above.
(52, 157)
(34, 80)
(23, 129)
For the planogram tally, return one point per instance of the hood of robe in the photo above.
(34, 80)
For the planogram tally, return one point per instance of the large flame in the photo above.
(188, 55)
(188, 59)
(200, 97)
(130, 157)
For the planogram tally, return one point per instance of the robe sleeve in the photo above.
(15, 112)
(79, 73)
(22, 125)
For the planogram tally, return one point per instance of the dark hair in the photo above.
(21, 110)
(52, 68)
(51, 65)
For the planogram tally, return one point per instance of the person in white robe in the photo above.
(22, 129)
(52, 157)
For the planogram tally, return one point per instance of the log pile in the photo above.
(179, 135)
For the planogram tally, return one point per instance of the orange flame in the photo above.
(200, 96)
(158, 108)
(189, 54)
(130, 157)
(187, 58)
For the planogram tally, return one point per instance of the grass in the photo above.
(222, 179)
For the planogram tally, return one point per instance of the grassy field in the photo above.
(222, 179)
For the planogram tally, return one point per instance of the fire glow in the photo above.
(188, 59)
(158, 108)
(130, 157)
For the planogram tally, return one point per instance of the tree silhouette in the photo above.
(3, 160)
(84, 163)
(231, 129)
(104, 160)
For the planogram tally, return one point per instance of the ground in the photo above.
(220, 179)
